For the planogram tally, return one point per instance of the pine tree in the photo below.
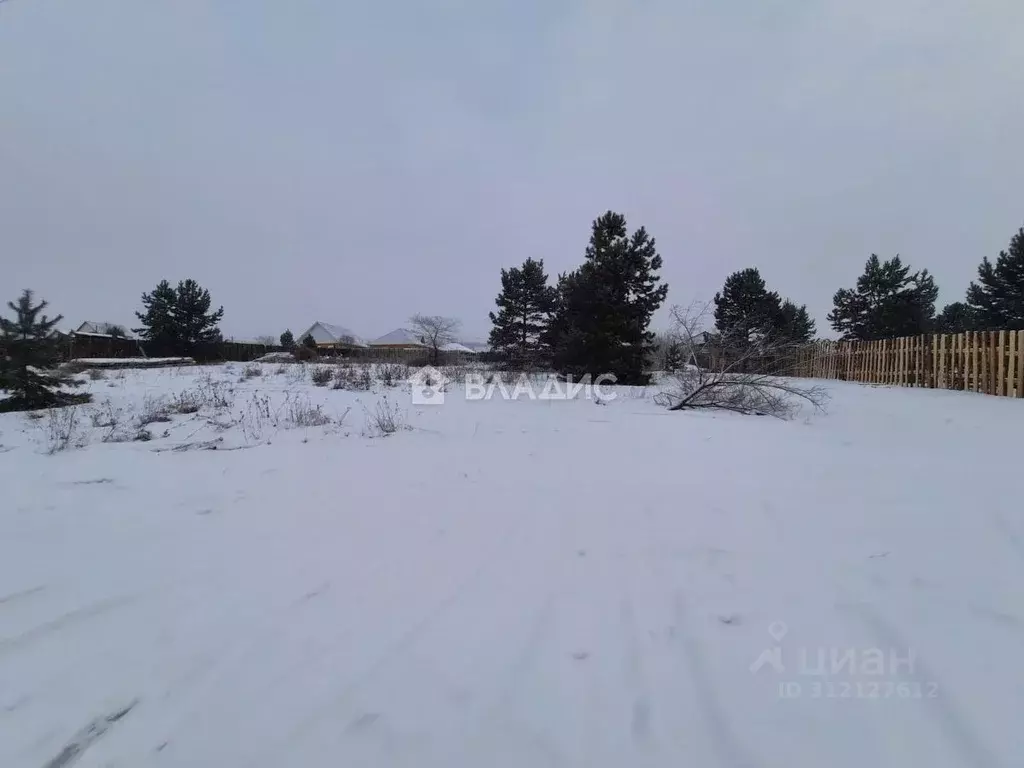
(28, 366)
(524, 308)
(179, 321)
(668, 352)
(605, 307)
(793, 324)
(195, 323)
(745, 310)
(287, 340)
(158, 327)
(889, 301)
(956, 318)
(998, 297)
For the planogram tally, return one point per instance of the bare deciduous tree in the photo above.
(734, 379)
(436, 331)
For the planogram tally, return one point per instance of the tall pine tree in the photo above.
(793, 324)
(524, 308)
(955, 318)
(178, 321)
(158, 327)
(28, 365)
(745, 310)
(604, 307)
(997, 299)
(196, 324)
(889, 301)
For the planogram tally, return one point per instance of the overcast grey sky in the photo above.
(358, 162)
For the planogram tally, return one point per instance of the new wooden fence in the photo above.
(991, 362)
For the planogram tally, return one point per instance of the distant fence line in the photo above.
(87, 345)
(92, 346)
(990, 362)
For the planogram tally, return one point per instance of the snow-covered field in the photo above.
(530, 583)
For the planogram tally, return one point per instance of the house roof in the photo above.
(331, 333)
(456, 347)
(399, 336)
(93, 328)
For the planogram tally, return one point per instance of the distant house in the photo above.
(109, 330)
(455, 346)
(400, 338)
(328, 336)
(477, 347)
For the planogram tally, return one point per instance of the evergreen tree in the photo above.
(956, 318)
(889, 301)
(179, 321)
(195, 323)
(28, 366)
(668, 352)
(998, 297)
(158, 328)
(287, 340)
(524, 307)
(605, 306)
(745, 310)
(793, 324)
(307, 349)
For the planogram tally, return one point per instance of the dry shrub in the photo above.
(63, 430)
(299, 412)
(385, 419)
(392, 374)
(154, 410)
(208, 393)
(353, 377)
(320, 375)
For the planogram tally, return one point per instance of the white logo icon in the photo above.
(427, 386)
(772, 656)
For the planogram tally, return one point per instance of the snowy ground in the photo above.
(511, 583)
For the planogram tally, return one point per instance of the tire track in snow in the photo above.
(1011, 536)
(407, 639)
(499, 715)
(641, 706)
(69, 618)
(87, 736)
(726, 743)
(10, 598)
(942, 709)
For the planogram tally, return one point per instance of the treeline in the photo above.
(596, 318)
(890, 300)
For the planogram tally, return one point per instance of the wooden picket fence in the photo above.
(990, 362)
